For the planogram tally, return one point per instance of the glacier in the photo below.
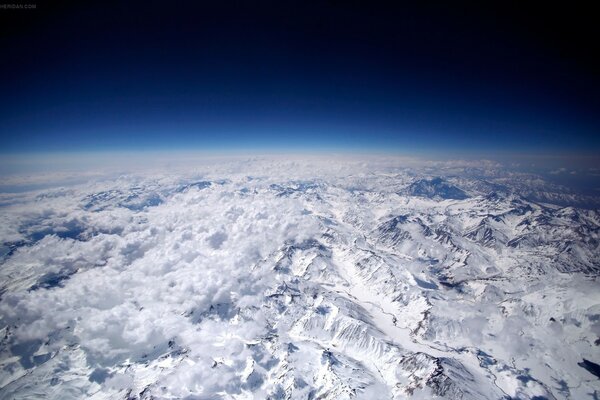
(299, 278)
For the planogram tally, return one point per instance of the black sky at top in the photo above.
(467, 72)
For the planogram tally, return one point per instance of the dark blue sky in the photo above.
(298, 75)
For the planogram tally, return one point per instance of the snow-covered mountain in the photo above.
(301, 279)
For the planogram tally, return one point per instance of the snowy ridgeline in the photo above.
(283, 280)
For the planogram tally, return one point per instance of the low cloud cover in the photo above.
(269, 277)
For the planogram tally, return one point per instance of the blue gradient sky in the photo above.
(295, 75)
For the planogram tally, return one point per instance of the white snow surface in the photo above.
(298, 278)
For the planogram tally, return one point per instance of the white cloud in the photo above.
(182, 295)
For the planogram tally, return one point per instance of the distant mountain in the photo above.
(435, 188)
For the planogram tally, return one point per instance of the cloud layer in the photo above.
(251, 278)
